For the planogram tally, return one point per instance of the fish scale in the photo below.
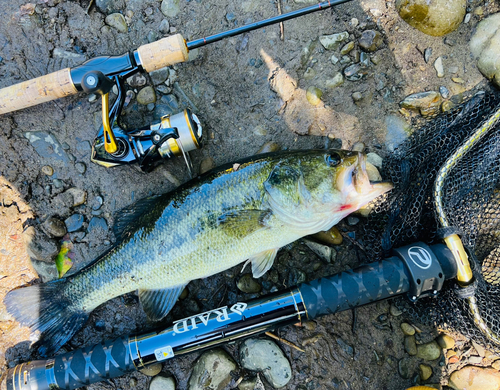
(207, 226)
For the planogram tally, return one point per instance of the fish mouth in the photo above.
(354, 183)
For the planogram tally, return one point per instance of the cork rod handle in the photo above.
(40, 90)
(165, 52)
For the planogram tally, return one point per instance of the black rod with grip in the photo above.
(263, 23)
(369, 283)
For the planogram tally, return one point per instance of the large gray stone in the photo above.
(485, 47)
(266, 357)
(212, 371)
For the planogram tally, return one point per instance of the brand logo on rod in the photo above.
(420, 256)
(220, 315)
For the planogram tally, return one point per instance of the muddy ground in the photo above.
(228, 86)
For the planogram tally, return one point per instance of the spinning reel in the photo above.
(174, 135)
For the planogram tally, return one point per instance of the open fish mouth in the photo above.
(353, 180)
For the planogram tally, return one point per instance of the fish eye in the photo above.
(334, 159)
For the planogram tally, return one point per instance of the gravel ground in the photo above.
(232, 86)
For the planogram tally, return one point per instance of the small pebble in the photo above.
(427, 54)
(92, 97)
(117, 21)
(467, 18)
(334, 82)
(330, 237)
(357, 96)
(347, 48)
(407, 329)
(429, 351)
(395, 312)
(475, 359)
(47, 170)
(260, 130)
(458, 80)
(334, 59)
(54, 227)
(248, 284)
(80, 167)
(445, 341)
(133, 382)
(371, 40)
(206, 165)
(438, 65)
(313, 95)
(269, 147)
(425, 371)
(164, 27)
(161, 382)
(404, 368)
(151, 370)
(352, 221)
(58, 183)
(146, 95)
(79, 196)
(74, 222)
(97, 202)
(214, 368)
(332, 42)
(445, 93)
(410, 345)
(354, 22)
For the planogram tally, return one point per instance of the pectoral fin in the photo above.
(158, 303)
(261, 262)
(241, 223)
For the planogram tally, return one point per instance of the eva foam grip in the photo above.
(165, 52)
(353, 288)
(40, 90)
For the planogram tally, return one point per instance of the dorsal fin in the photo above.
(137, 215)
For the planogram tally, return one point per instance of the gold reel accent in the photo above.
(109, 137)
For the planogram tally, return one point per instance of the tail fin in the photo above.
(45, 308)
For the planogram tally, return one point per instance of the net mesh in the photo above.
(471, 201)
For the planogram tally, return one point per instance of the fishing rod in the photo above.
(417, 270)
(172, 136)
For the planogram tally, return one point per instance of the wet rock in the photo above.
(97, 223)
(432, 17)
(438, 65)
(445, 93)
(248, 284)
(485, 47)
(117, 21)
(332, 42)
(427, 103)
(334, 59)
(313, 95)
(397, 131)
(97, 202)
(309, 74)
(159, 76)
(347, 48)
(170, 8)
(355, 72)
(212, 371)
(46, 270)
(269, 147)
(427, 54)
(137, 80)
(110, 6)
(206, 164)
(429, 351)
(324, 252)
(410, 345)
(475, 378)
(357, 96)
(72, 57)
(80, 167)
(46, 145)
(370, 40)
(407, 329)
(404, 368)
(74, 222)
(164, 27)
(39, 246)
(47, 170)
(266, 357)
(146, 95)
(79, 196)
(330, 237)
(394, 310)
(161, 382)
(425, 371)
(151, 370)
(54, 227)
(445, 341)
(335, 82)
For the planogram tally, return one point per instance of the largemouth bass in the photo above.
(245, 211)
